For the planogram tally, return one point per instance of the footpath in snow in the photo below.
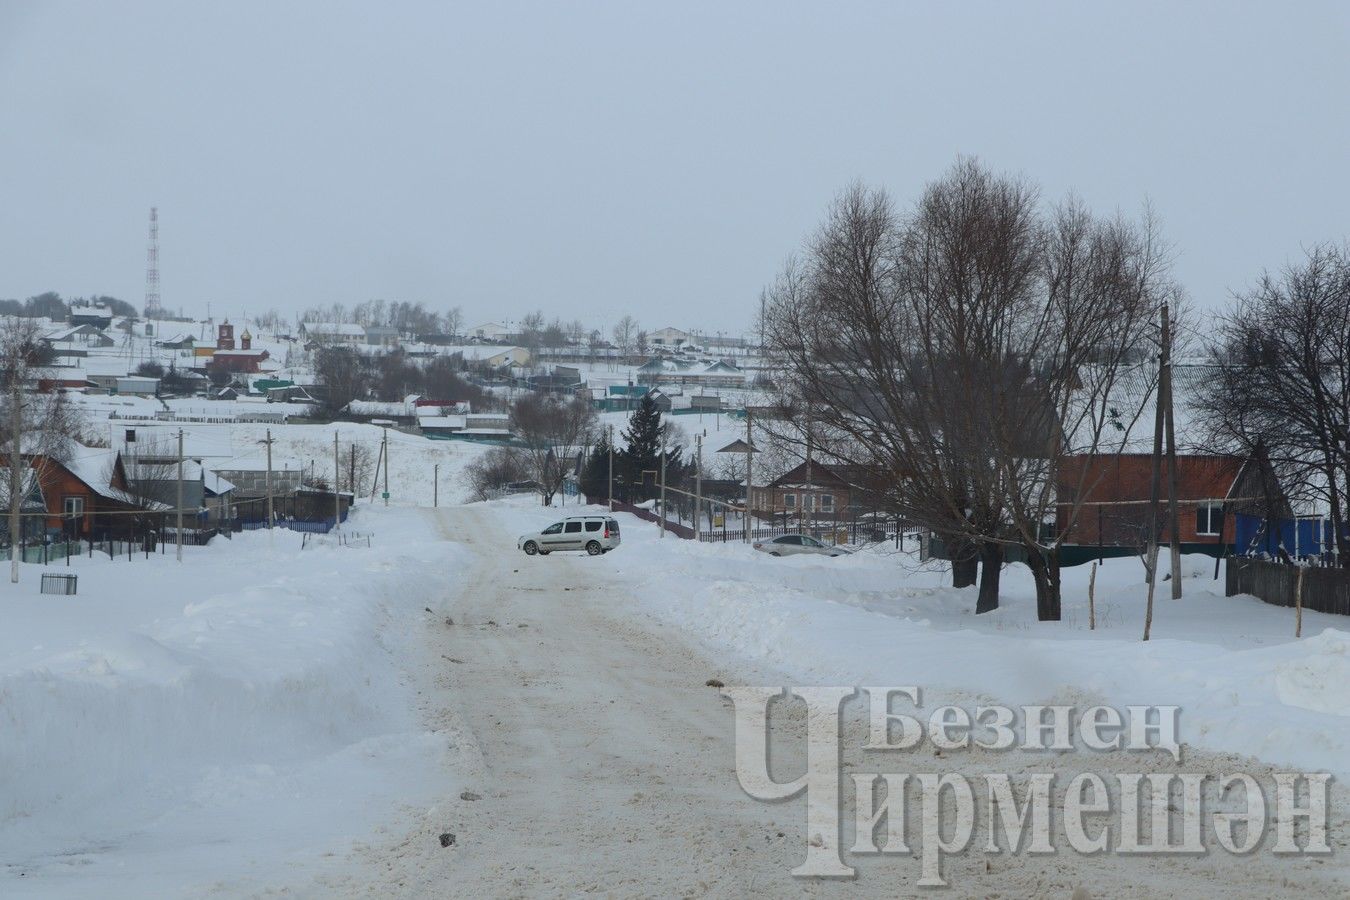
(175, 728)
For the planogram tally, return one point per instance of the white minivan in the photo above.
(594, 534)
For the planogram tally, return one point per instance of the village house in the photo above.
(84, 494)
(1212, 491)
(812, 489)
(331, 333)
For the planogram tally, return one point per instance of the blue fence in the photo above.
(1254, 535)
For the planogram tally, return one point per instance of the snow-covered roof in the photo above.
(94, 467)
(455, 422)
(341, 329)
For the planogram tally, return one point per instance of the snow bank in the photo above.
(255, 690)
(1244, 684)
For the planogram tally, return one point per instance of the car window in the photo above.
(592, 526)
(555, 528)
(790, 539)
(811, 542)
(573, 527)
(613, 526)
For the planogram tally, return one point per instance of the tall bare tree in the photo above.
(552, 429)
(953, 354)
(1280, 379)
(625, 335)
(38, 428)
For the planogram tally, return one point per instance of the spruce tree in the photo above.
(595, 473)
(643, 452)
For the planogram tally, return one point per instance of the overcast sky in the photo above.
(592, 159)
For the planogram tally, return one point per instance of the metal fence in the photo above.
(1325, 589)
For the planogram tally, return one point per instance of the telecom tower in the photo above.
(152, 308)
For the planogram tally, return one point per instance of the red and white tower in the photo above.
(152, 309)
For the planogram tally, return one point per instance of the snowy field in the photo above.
(246, 712)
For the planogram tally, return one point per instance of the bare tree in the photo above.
(452, 320)
(945, 355)
(493, 472)
(625, 335)
(553, 430)
(1280, 379)
(39, 428)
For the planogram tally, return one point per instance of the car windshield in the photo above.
(555, 528)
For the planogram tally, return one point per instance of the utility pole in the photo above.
(1173, 515)
(15, 478)
(386, 465)
(375, 482)
(436, 485)
(1159, 423)
(611, 468)
(749, 451)
(698, 484)
(337, 474)
(663, 482)
(268, 482)
(179, 504)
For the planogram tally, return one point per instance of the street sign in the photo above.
(384, 495)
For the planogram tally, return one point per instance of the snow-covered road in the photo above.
(594, 759)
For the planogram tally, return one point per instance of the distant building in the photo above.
(668, 337)
(490, 331)
(330, 333)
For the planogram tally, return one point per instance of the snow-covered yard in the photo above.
(1244, 684)
(242, 713)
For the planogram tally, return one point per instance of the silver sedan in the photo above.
(791, 544)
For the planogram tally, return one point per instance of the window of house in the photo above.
(827, 502)
(789, 501)
(1209, 519)
(73, 507)
(131, 435)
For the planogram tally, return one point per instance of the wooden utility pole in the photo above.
(1173, 516)
(436, 485)
(375, 482)
(663, 482)
(179, 504)
(611, 468)
(1159, 423)
(386, 466)
(268, 482)
(749, 451)
(698, 484)
(337, 475)
(16, 479)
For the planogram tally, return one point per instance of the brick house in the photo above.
(812, 489)
(1211, 489)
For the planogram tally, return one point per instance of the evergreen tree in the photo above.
(595, 473)
(642, 453)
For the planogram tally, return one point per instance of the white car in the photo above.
(593, 534)
(792, 544)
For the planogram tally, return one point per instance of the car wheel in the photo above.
(774, 553)
(530, 548)
(594, 548)
(545, 552)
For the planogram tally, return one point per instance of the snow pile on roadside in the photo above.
(254, 690)
(1243, 683)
